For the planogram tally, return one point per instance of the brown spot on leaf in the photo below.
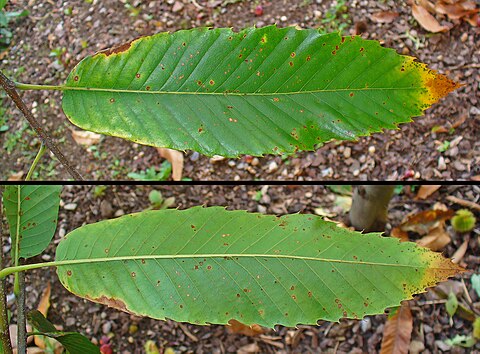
(75, 78)
(69, 273)
(118, 49)
(110, 302)
(137, 76)
(112, 100)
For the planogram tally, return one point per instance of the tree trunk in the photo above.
(370, 206)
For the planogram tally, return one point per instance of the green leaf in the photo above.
(476, 283)
(209, 265)
(32, 213)
(461, 341)
(259, 91)
(74, 342)
(451, 304)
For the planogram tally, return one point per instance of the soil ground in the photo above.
(88, 204)
(58, 34)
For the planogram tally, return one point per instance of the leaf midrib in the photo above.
(78, 88)
(224, 255)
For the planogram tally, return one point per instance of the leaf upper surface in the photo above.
(259, 91)
(209, 265)
(34, 210)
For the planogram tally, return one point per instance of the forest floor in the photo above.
(56, 35)
(431, 326)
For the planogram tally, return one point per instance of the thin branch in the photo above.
(21, 318)
(9, 87)
(4, 329)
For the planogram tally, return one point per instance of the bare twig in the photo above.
(4, 329)
(9, 87)
(21, 319)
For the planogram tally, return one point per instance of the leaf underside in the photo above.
(209, 265)
(37, 214)
(259, 91)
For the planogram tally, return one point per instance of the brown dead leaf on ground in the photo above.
(424, 221)
(460, 252)
(85, 138)
(457, 10)
(384, 16)
(176, 159)
(426, 20)
(44, 303)
(240, 328)
(397, 232)
(249, 348)
(16, 176)
(426, 191)
(436, 239)
(398, 331)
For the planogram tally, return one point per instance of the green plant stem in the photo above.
(22, 86)
(9, 88)
(40, 153)
(21, 317)
(4, 328)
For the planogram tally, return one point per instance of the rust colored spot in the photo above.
(345, 314)
(293, 55)
(308, 58)
(147, 88)
(362, 49)
(137, 76)
(75, 78)
(352, 94)
(209, 267)
(275, 99)
(238, 295)
(199, 83)
(291, 63)
(365, 304)
(118, 49)
(69, 273)
(240, 55)
(294, 297)
(246, 290)
(110, 302)
(200, 129)
(336, 47)
(211, 82)
(229, 107)
(143, 261)
(133, 274)
(355, 257)
(292, 287)
(192, 226)
(334, 52)
(343, 39)
(309, 294)
(112, 100)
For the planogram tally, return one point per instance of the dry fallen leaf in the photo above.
(249, 349)
(16, 176)
(436, 239)
(44, 302)
(398, 331)
(426, 20)
(85, 138)
(176, 159)
(424, 221)
(43, 306)
(240, 328)
(426, 191)
(384, 16)
(460, 252)
(456, 10)
(399, 233)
